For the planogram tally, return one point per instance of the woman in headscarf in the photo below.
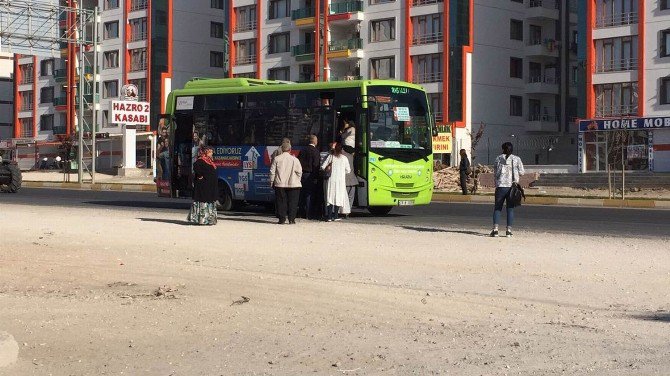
(205, 189)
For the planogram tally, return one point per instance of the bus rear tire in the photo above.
(380, 210)
(225, 197)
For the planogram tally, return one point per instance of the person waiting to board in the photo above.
(310, 160)
(285, 175)
(351, 182)
(508, 169)
(336, 167)
(205, 189)
(464, 171)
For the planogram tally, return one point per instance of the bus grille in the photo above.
(404, 185)
(404, 194)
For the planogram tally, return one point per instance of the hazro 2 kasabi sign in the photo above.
(130, 113)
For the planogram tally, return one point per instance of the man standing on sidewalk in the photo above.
(285, 175)
(310, 159)
(464, 169)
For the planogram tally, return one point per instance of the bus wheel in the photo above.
(380, 210)
(225, 198)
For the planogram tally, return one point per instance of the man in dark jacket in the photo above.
(310, 160)
(464, 169)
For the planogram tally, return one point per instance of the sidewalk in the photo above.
(558, 201)
(103, 182)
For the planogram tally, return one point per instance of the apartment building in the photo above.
(155, 45)
(627, 86)
(525, 73)
(6, 95)
(330, 40)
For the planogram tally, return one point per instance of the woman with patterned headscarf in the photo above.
(205, 189)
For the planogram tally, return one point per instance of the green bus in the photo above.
(245, 120)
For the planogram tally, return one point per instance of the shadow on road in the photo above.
(143, 204)
(249, 220)
(430, 229)
(170, 221)
(654, 316)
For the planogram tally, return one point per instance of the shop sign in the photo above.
(442, 143)
(646, 123)
(637, 152)
(130, 113)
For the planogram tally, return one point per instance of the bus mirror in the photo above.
(435, 132)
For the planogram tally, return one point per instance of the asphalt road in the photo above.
(472, 219)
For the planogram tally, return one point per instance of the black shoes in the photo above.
(508, 233)
(291, 222)
(494, 234)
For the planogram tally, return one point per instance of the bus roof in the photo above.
(242, 85)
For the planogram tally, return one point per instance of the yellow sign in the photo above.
(442, 143)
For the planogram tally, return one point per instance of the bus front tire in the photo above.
(225, 197)
(380, 210)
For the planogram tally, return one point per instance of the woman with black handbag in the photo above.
(508, 168)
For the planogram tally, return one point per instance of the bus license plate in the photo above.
(405, 202)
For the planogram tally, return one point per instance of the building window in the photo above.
(516, 29)
(46, 123)
(515, 105)
(279, 9)
(138, 29)
(105, 118)
(245, 18)
(111, 30)
(619, 99)
(138, 5)
(27, 74)
(664, 4)
(245, 52)
(217, 4)
(26, 127)
(110, 4)
(427, 68)
(427, 29)
(516, 67)
(665, 90)
(110, 59)
(665, 43)
(138, 59)
(141, 88)
(47, 94)
(47, 67)
(282, 74)
(245, 75)
(216, 30)
(435, 100)
(110, 89)
(382, 68)
(216, 59)
(26, 100)
(279, 43)
(382, 30)
(616, 54)
(616, 12)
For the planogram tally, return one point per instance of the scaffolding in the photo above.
(42, 27)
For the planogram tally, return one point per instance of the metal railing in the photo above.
(302, 49)
(347, 7)
(375, 2)
(607, 111)
(134, 37)
(245, 26)
(244, 60)
(346, 78)
(543, 117)
(302, 13)
(436, 37)
(620, 19)
(26, 106)
(344, 45)
(617, 65)
(438, 116)
(25, 80)
(542, 80)
(425, 2)
(137, 66)
(138, 5)
(546, 4)
(424, 78)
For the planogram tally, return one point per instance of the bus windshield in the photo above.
(401, 119)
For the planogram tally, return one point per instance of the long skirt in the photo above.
(202, 213)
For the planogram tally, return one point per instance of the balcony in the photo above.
(542, 48)
(346, 7)
(617, 66)
(541, 123)
(27, 80)
(138, 5)
(345, 48)
(542, 85)
(416, 3)
(138, 66)
(616, 111)
(543, 10)
(418, 40)
(26, 106)
(135, 37)
(621, 19)
(346, 78)
(303, 52)
(425, 78)
(245, 60)
(302, 14)
(245, 26)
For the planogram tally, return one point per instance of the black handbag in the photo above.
(516, 193)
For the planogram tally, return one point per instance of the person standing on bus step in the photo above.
(348, 136)
(310, 160)
(205, 189)
(351, 182)
(464, 170)
(285, 175)
(336, 189)
(507, 168)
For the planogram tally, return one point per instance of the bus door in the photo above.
(325, 121)
(182, 154)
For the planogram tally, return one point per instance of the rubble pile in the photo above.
(447, 178)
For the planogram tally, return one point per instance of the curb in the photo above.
(558, 201)
(93, 187)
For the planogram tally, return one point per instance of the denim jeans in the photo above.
(502, 197)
